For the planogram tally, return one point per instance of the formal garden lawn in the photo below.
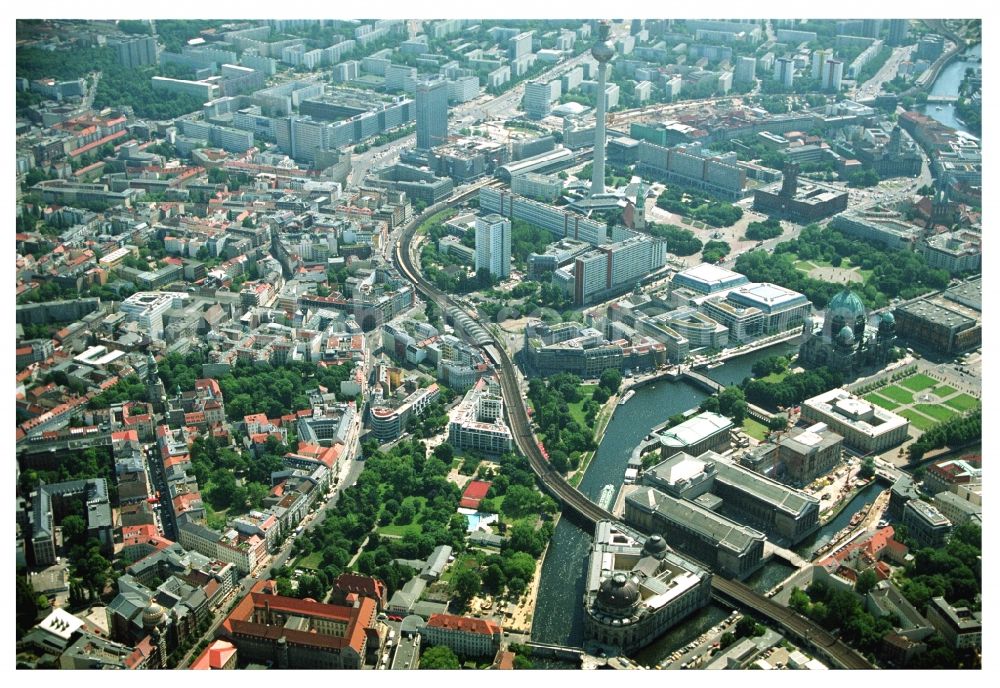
(897, 394)
(879, 400)
(935, 411)
(920, 421)
(918, 382)
(963, 402)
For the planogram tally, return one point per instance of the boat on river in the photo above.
(628, 395)
(607, 496)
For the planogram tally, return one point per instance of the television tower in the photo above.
(602, 51)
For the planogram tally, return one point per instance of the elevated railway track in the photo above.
(810, 634)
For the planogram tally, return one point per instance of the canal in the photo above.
(947, 84)
(558, 616)
(807, 548)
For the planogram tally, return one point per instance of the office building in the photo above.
(864, 427)
(707, 279)
(806, 202)
(695, 166)
(539, 96)
(700, 330)
(147, 309)
(387, 421)
(572, 348)
(637, 588)
(944, 326)
(613, 269)
(561, 223)
(432, 113)
(930, 47)
(477, 423)
(926, 524)
(493, 245)
(746, 71)
(539, 187)
(960, 626)
(951, 475)
(959, 510)
(58, 498)
(783, 309)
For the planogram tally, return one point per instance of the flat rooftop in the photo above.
(766, 296)
(937, 314)
(711, 275)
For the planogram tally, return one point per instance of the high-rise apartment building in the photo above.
(819, 59)
(493, 245)
(135, 51)
(833, 74)
(432, 113)
(784, 71)
(746, 69)
(899, 30)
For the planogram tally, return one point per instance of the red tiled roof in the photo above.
(215, 655)
(357, 619)
(463, 623)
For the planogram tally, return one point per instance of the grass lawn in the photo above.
(310, 562)
(576, 408)
(935, 411)
(943, 390)
(215, 519)
(776, 377)
(754, 429)
(963, 402)
(436, 218)
(920, 421)
(413, 527)
(881, 401)
(897, 394)
(467, 561)
(918, 382)
(401, 531)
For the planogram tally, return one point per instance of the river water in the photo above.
(947, 84)
(558, 617)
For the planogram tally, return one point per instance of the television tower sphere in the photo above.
(603, 51)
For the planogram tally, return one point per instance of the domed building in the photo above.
(637, 588)
(846, 341)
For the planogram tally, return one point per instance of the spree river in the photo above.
(947, 84)
(558, 616)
